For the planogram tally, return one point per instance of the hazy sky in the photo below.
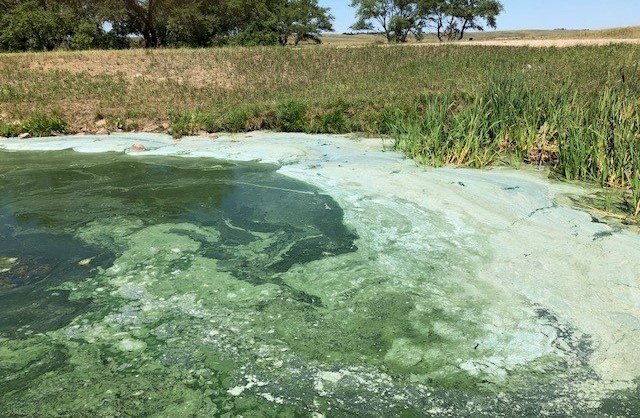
(535, 14)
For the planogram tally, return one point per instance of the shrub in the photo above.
(8, 130)
(291, 116)
(41, 125)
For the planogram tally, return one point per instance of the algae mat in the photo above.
(296, 275)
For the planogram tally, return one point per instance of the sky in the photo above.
(534, 14)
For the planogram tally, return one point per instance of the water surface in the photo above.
(71, 223)
(172, 286)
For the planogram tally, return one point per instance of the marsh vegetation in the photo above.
(575, 109)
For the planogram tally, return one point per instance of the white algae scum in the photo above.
(335, 278)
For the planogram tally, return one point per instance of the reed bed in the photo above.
(593, 137)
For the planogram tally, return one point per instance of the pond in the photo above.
(332, 278)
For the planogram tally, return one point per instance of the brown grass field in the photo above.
(514, 37)
(140, 89)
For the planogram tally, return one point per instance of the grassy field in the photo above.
(574, 108)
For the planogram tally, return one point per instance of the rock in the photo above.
(213, 136)
(137, 147)
(103, 131)
(24, 135)
(101, 123)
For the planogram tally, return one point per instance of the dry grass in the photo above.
(512, 37)
(141, 90)
(137, 88)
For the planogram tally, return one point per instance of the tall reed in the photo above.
(594, 137)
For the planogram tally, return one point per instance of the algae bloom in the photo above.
(331, 279)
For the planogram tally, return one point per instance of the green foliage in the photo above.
(260, 33)
(87, 36)
(335, 118)
(397, 18)
(400, 18)
(188, 26)
(333, 122)
(302, 20)
(8, 130)
(79, 24)
(236, 120)
(42, 125)
(47, 25)
(291, 116)
(189, 123)
(29, 27)
(452, 18)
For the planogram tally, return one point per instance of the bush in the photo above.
(28, 27)
(291, 116)
(332, 122)
(8, 130)
(87, 36)
(41, 125)
(257, 34)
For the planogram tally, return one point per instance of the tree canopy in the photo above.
(399, 19)
(83, 24)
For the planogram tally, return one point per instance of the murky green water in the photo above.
(171, 287)
(106, 263)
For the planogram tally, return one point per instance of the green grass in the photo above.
(36, 125)
(575, 109)
(42, 125)
(8, 130)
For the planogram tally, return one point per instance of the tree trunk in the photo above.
(147, 19)
(150, 36)
(463, 28)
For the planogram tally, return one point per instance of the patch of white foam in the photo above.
(88, 143)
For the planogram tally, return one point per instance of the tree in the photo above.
(272, 22)
(80, 24)
(168, 22)
(400, 18)
(29, 26)
(142, 15)
(49, 24)
(397, 18)
(304, 20)
(254, 23)
(452, 18)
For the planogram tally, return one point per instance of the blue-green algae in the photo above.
(170, 287)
